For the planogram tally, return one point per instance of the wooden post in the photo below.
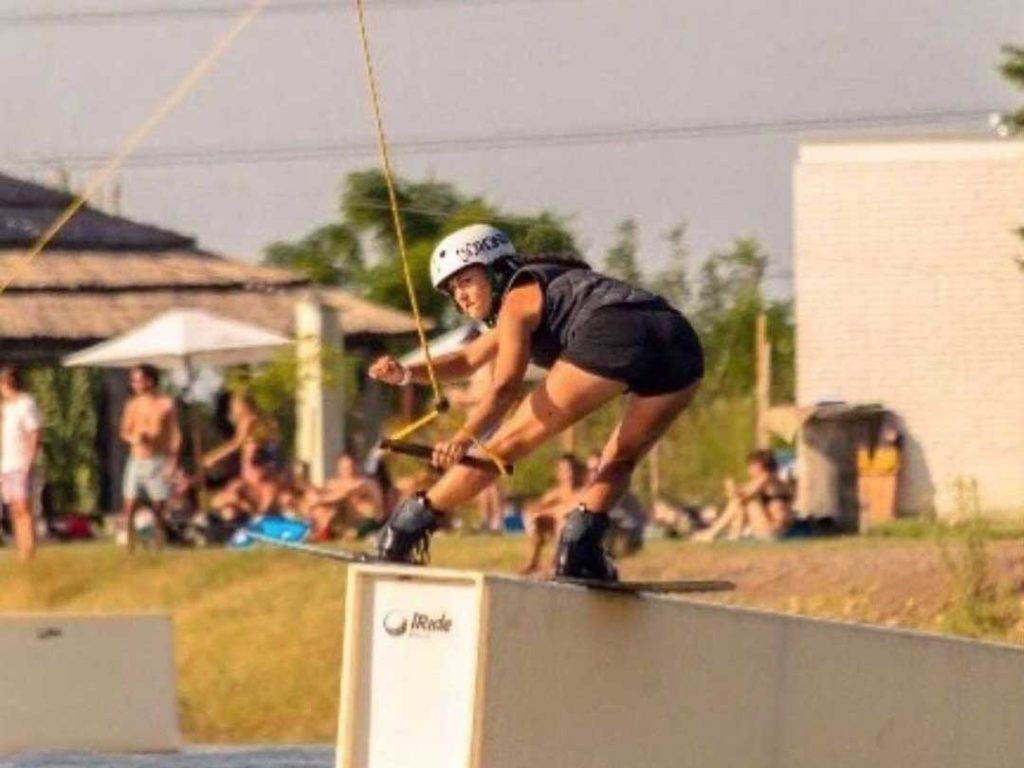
(763, 380)
(319, 435)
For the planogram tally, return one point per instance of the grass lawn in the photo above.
(258, 634)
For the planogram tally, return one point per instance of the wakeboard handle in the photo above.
(426, 452)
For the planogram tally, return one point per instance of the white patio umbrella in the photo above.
(183, 338)
(187, 339)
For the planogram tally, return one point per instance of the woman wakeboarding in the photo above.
(598, 337)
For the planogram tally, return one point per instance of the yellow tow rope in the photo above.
(135, 139)
(440, 402)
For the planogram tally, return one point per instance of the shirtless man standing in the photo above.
(149, 425)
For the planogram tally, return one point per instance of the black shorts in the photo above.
(654, 350)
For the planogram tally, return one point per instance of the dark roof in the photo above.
(105, 274)
(27, 209)
(106, 271)
(84, 317)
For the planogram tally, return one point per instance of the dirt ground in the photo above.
(905, 583)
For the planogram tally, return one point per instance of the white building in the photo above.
(910, 293)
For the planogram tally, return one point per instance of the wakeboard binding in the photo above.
(405, 537)
(581, 553)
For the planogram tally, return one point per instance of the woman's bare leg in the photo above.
(732, 511)
(644, 422)
(24, 525)
(740, 521)
(541, 529)
(491, 508)
(761, 524)
(566, 395)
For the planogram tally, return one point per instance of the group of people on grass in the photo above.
(758, 509)
(244, 478)
(353, 504)
(349, 504)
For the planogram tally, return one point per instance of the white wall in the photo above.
(907, 293)
(97, 683)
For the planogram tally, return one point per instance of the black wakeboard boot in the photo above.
(405, 537)
(581, 553)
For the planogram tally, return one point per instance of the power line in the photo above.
(288, 153)
(222, 9)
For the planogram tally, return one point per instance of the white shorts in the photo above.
(146, 478)
(18, 487)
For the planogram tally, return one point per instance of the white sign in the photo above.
(423, 674)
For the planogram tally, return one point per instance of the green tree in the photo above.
(545, 233)
(329, 255)
(673, 280)
(429, 210)
(1012, 68)
(66, 398)
(621, 259)
(424, 207)
(385, 281)
(730, 297)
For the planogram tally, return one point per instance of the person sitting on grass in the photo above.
(599, 338)
(545, 516)
(760, 509)
(258, 495)
(349, 498)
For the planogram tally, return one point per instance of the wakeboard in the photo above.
(667, 587)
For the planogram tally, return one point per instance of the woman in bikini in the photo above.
(759, 509)
(598, 337)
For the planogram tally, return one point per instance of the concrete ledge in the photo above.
(97, 683)
(448, 669)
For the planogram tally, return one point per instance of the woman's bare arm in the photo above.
(519, 316)
(451, 367)
(461, 363)
(552, 500)
(751, 489)
(224, 450)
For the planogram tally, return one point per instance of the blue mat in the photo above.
(271, 527)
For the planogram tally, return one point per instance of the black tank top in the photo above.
(572, 294)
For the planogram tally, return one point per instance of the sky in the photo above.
(660, 110)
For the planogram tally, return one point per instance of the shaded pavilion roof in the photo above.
(105, 274)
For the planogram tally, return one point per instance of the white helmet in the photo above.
(476, 244)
